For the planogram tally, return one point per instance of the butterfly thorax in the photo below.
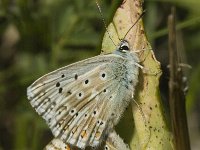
(126, 73)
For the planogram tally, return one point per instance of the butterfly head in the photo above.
(124, 50)
(123, 46)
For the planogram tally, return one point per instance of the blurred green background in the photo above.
(38, 36)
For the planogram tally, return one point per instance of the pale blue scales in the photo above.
(82, 102)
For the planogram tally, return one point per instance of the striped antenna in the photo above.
(134, 24)
(104, 23)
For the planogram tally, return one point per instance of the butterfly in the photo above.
(82, 102)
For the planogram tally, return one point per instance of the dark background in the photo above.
(38, 36)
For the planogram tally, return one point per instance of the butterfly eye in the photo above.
(124, 47)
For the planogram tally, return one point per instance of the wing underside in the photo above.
(73, 100)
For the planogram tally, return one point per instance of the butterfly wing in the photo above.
(76, 100)
(113, 142)
(57, 144)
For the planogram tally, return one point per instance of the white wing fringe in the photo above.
(57, 144)
(113, 142)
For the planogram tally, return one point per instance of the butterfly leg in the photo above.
(115, 142)
(147, 71)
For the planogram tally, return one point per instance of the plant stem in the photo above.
(176, 93)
